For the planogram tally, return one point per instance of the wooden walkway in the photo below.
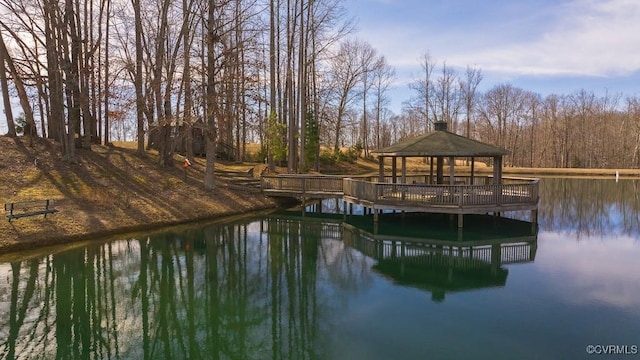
(481, 196)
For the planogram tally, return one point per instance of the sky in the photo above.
(545, 46)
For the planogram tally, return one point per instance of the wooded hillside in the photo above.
(109, 189)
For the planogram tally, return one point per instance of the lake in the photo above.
(285, 287)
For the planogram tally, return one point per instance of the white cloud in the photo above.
(591, 38)
(578, 38)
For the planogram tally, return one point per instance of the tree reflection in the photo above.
(590, 207)
(246, 290)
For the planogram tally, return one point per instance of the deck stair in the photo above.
(240, 179)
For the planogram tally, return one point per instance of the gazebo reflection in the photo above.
(444, 259)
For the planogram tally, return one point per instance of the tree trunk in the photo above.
(22, 93)
(5, 89)
(140, 105)
(272, 74)
(211, 133)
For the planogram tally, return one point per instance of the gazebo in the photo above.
(456, 195)
(440, 144)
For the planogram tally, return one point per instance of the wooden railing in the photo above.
(317, 229)
(445, 255)
(483, 192)
(443, 195)
(302, 184)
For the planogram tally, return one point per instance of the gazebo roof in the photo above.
(441, 143)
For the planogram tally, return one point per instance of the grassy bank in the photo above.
(110, 190)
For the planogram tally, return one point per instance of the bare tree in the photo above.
(469, 87)
(424, 88)
(445, 106)
(370, 60)
(502, 114)
(5, 89)
(347, 69)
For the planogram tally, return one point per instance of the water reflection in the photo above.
(590, 207)
(426, 252)
(239, 291)
(602, 272)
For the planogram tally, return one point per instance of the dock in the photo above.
(468, 195)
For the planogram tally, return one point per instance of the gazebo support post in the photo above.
(497, 170)
(473, 163)
(394, 168)
(452, 164)
(431, 170)
(380, 168)
(439, 169)
(404, 170)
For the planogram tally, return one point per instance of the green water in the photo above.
(283, 287)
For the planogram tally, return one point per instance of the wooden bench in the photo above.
(21, 209)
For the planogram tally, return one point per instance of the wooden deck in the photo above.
(443, 198)
(465, 197)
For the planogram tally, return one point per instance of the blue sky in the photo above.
(546, 46)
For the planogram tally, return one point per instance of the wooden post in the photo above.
(380, 168)
(452, 163)
(497, 170)
(533, 247)
(304, 186)
(496, 257)
(473, 164)
(430, 171)
(534, 220)
(304, 205)
(394, 165)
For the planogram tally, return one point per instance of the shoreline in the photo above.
(16, 251)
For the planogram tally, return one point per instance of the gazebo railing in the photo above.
(431, 179)
(525, 192)
(483, 192)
